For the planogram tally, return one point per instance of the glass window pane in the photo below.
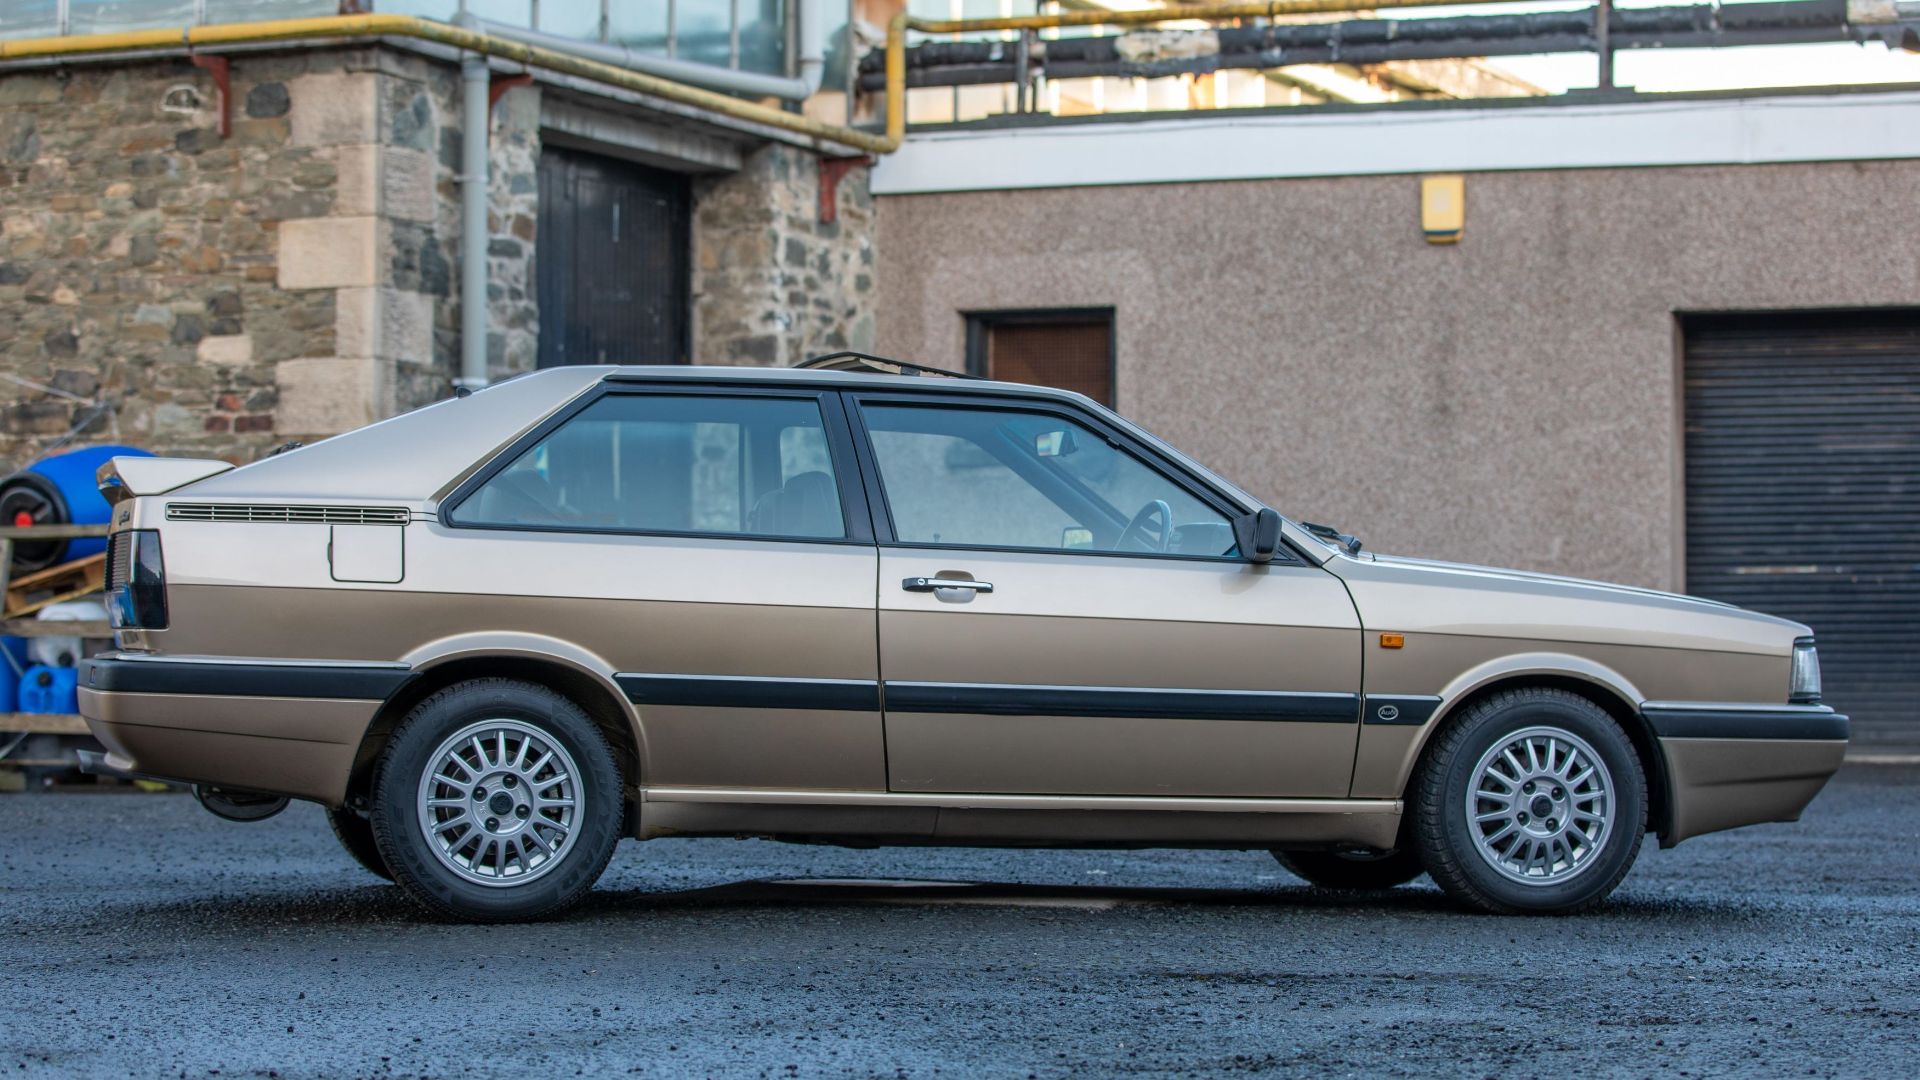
(572, 18)
(30, 18)
(700, 26)
(443, 10)
(105, 16)
(638, 24)
(226, 11)
(673, 463)
(1003, 478)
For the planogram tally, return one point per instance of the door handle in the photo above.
(929, 584)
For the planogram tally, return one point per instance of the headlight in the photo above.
(1805, 688)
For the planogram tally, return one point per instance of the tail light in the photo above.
(136, 581)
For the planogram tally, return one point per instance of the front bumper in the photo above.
(1733, 765)
(284, 728)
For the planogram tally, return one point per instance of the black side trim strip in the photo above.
(1015, 700)
(1809, 723)
(342, 681)
(851, 695)
(1399, 710)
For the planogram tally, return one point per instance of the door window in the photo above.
(674, 463)
(1014, 479)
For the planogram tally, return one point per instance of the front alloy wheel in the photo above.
(496, 800)
(1530, 800)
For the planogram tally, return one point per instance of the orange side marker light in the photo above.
(1393, 641)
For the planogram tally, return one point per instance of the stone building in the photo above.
(215, 273)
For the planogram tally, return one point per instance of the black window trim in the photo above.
(1172, 471)
(856, 516)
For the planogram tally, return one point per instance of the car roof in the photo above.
(870, 380)
(414, 456)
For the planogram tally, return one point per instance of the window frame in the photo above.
(980, 325)
(876, 496)
(856, 516)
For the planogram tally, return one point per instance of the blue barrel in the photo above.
(60, 490)
(46, 689)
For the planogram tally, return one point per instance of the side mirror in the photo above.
(1258, 535)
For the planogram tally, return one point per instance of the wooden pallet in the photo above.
(42, 724)
(81, 628)
(68, 581)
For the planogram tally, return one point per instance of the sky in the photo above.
(1657, 70)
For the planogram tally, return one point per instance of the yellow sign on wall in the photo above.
(1443, 208)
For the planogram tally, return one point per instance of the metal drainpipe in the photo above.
(473, 222)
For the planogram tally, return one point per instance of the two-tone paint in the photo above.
(797, 689)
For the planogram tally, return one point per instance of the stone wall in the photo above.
(772, 283)
(163, 286)
(197, 295)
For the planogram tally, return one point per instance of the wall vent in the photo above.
(288, 515)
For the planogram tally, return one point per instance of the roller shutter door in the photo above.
(1803, 493)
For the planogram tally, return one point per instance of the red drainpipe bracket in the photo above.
(222, 72)
(832, 171)
(498, 85)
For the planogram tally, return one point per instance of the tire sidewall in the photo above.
(1621, 845)
(402, 769)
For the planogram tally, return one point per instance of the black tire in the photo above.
(1443, 837)
(583, 851)
(1352, 871)
(356, 835)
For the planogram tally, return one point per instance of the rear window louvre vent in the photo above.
(288, 515)
(119, 560)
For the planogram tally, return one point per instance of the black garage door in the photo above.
(1803, 492)
(612, 262)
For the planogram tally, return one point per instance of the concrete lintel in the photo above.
(573, 123)
(1508, 135)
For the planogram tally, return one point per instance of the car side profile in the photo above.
(848, 605)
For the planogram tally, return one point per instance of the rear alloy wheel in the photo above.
(355, 834)
(1531, 801)
(1356, 869)
(497, 800)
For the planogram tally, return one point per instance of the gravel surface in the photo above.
(145, 938)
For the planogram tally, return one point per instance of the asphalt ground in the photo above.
(143, 937)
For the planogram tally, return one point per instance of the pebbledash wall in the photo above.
(1511, 400)
(208, 296)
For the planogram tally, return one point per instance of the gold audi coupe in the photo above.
(859, 604)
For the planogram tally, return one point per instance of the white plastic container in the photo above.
(62, 650)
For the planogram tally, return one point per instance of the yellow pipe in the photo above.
(360, 26)
(1243, 9)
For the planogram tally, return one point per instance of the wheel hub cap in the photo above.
(1541, 806)
(500, 802)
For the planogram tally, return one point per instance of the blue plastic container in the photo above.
(11, 665)
(60, 490)
(46, 689)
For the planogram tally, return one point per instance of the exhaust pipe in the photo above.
(238, 805)
(227, 803)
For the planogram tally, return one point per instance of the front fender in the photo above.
(1387, 753)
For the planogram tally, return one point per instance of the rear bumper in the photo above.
(283, 728)
(1733, 765)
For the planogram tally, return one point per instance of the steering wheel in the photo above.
(1156, 508)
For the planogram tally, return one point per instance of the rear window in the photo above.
(672, 463)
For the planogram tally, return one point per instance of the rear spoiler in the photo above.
(123, 478)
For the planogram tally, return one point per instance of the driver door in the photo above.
(1063, 612)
